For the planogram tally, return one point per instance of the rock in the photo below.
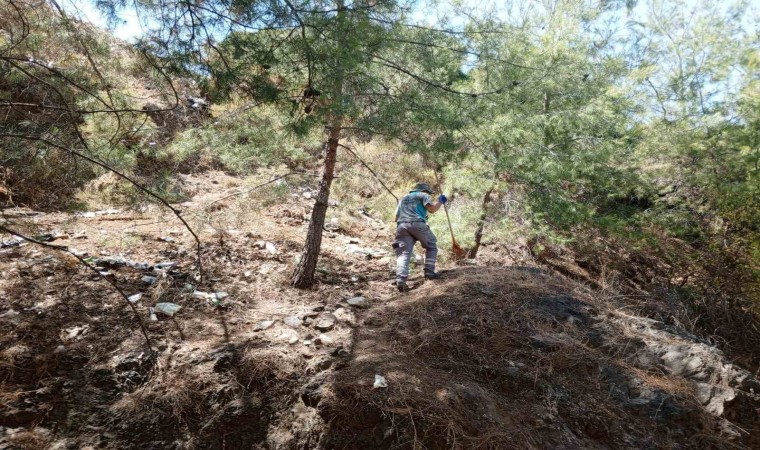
(165, 265)
(358, 302)
(221, 295)
(704, 392)
(333, 224)
(312, 392)
(168, 309)
(292, 322)
(263, 325)
(147, 279)
(321, 363)
(293, 340)
(75, 332)
(720, 396)
(380, 382)
(225, 359)
(323, 339)
(111, 262)
(325, 322)
(201, 295)
(134, 298)
(339, 352)
(60, 349)
(138, 265)
(266, 245)
(307, 195)
(346, 316)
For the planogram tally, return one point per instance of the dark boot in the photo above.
(432, 275)
(402, 286)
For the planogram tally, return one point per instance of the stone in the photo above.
(221, 295)
(201, 295)
(168, 309)
(358, 302)
(325, 322)
(321, 363)
(263, 325)
(339, 352)
(134, 298)
(292, 322)
(323, 339)
(380, 382)
(147, 279)
(165, 265)
(312, 392)
(345, 315)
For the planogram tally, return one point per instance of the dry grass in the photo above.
(178, 393)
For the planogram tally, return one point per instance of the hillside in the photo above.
(196, 225)
(502, 353)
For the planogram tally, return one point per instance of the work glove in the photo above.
(443, 199)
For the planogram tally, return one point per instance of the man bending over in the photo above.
(411, 226)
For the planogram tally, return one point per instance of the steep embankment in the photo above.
(493, 356)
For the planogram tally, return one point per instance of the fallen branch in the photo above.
(62, 248)
(245, 191)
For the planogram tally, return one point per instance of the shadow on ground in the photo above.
(517, 358)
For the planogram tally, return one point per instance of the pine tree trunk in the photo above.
(303, 278)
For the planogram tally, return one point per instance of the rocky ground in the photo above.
(499, 354)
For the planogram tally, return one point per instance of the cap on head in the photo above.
(424, 187)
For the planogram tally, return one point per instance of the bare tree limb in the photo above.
(245, 191)
(370, 169)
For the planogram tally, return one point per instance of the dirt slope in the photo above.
(499, 355)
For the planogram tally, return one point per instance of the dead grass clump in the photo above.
(178, 393)
(267, 371)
